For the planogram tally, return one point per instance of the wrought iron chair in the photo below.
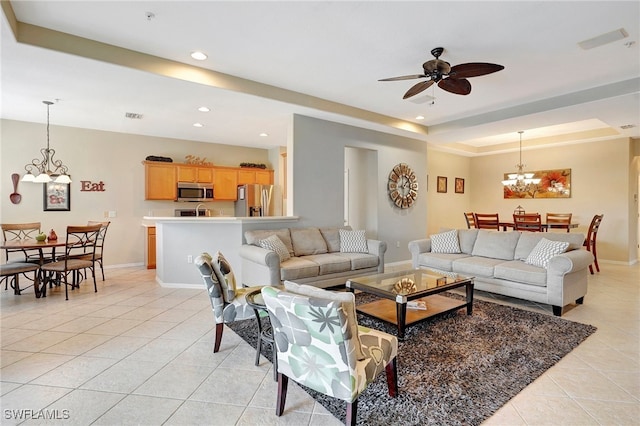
(21, 231)
(11, 273)
(100, 242)
(558, 220)
(470, 219)
(531, 222)
(590, 241)
(487, 221)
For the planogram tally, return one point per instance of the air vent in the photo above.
(603, 39)
(133, 115)
(627, 126)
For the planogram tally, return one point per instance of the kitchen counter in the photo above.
(179, 240)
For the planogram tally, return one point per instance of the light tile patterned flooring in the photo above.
(137, 353)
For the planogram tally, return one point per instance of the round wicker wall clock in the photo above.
(402, 186)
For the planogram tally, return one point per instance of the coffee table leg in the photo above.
(469, 298)
(401, 314)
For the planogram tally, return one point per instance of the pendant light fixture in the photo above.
(521, 182)
(43, 167)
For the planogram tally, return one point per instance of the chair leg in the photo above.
(101, 269)
(283, 381)
(352, 413)
(95, 285)
(218, 338)
(392, 377)
(66, 287)
(595, 258)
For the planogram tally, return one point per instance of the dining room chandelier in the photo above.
(521, 181)
(43, 166)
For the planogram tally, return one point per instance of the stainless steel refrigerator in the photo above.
(255, 200)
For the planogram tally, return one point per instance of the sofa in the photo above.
(543, 267)
(322, 257)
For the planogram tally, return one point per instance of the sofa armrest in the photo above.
(570, 261)
(259, 266)
(378, 248)
(416, 247)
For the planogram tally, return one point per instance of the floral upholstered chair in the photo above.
(320, 345)
(227, 302)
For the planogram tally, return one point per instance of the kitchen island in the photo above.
(179, 240)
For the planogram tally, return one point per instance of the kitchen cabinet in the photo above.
(225, 184)
(250, 176)
(195, 174)
(160, 181)
(151, 247)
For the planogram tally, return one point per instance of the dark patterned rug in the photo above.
(456, 369)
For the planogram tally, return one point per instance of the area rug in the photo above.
(456, 369)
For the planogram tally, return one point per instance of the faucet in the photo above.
(198, 209)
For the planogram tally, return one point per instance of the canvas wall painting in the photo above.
(553, 184)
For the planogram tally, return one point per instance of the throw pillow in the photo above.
(224, 274)
(274, 243)
(307, 241)
(544, 251)
(445, 242)
(353, 241)
(347, 299)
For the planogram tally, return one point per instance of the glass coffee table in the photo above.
(411, 296)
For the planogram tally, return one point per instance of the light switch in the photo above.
(112, 213)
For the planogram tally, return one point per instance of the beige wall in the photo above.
(113, 158)
(604, 179)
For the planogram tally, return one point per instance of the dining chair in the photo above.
(21, 231)
(100, 242)
(317, 326)
(11, 273)
(590, 241)
(80, 249)
(531, 222)
(470, 219)
(487, 221)
(558, 220)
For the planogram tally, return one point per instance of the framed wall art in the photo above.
(459, 186)
(442, 184)
(57, 196)
(553, 184)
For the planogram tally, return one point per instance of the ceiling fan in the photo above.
(450, 78)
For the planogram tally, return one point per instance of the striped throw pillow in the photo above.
(544, 251)
(445, 242)
(353, 241)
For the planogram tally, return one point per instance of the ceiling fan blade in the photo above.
(417, 88)
(439, 65)
(454, 85)
(404, 77)
(473, 69)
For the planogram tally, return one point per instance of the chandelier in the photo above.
(521, 181)
(43, 167)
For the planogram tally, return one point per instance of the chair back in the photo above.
(559, 220)
(487, 221)
(470, 219)
(204, 262)
(592, 234)
(307, 327)
(104, 226)
(19, 231)
(531, 222)
(81, 243)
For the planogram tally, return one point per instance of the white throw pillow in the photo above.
(353, 241)
(544, 251)
(445, 242)
(274, 243)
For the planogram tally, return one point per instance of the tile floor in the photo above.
(137, 353)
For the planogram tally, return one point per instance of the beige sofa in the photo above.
(315, 257)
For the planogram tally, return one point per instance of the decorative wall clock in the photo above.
(402, 186)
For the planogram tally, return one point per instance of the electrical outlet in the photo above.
(398, 244)
(189, 258)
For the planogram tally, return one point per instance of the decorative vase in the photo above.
(52, 236)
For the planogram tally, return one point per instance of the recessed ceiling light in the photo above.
(203, 109)
(420, 117)
(264, 135)
(199, 56)
(198, 125)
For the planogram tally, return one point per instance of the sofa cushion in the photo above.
(544, 251)
(254, 236)
(476, 266)
(329, 263)
(518, 271)
(332, 237)
(307, 241)
(467, 239)
(296, 268)
(528, 240)
(346, 299)
(441, 261)
(445, 242)
(360, 260)
(496, 244)
(353, 241)
(274, 243)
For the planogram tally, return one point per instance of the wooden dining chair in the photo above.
(558, 221)
(487, 221)
(590, 241)
(470, 219)
(80, 249)
(531, 222)
(21, 231)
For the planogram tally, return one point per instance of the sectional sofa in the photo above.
(544, 267)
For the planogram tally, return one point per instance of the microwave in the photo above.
(189, 191)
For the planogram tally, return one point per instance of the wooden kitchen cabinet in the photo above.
(160, 181)
(225, 184)
(195, 174)
(250, 176)
(264, 177)
(151, 247)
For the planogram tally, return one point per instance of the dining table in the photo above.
(43, 248)
(545, 226)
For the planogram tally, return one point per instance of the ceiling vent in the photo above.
(133, 115)
(603, 39)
